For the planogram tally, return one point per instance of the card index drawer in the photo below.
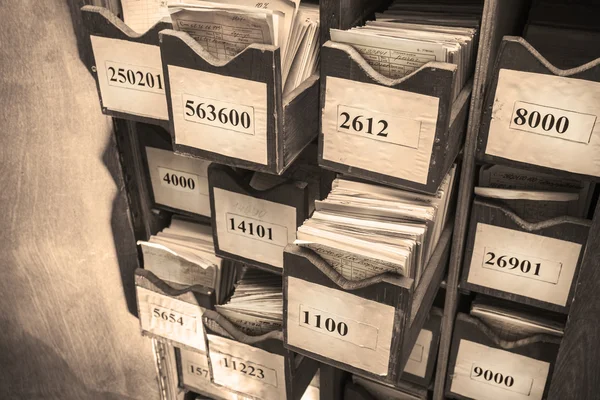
(179, 183)
(367, 327)
(405, 132)
(127, 67)
(254, 226)
(252, 125)
(518, 370)
(537, 116)
(533, 263)
(422, 360)
(194, 375)
(172, 314)
(255, 366)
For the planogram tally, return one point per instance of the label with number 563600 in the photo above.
(220, 114)
(546, 120)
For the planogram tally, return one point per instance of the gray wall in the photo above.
(65, 328)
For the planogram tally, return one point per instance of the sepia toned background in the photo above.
(66, 328)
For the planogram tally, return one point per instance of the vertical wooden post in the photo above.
(577, 369)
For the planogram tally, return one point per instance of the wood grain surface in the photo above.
(576, 373)
(499, 18)
(67, 332)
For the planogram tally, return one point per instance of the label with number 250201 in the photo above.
(130, 77)
(220, 114)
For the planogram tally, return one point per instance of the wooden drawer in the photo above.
(127, 67)
(176, 183)
(275, 213)
(366, 327)
(272, 130)
(537, 116)
(525, 366)
(366, 389)
(172, 314)
(547, 254)
(255, 366)
(421, 363)
(397, 148)
(194, 375)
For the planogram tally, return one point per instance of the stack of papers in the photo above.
(512, 324)
(409, 35)
(364, 229)
(184, 254)
(535, 196)
(226, 27)
(256, 305)
(141, 15)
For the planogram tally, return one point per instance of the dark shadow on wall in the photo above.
(55, 379)
(123, 235)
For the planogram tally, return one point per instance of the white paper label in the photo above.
(417, 361)
(195, 374)
(390, 131)
(339, 325)
(552, 122)
(194, 368)
(341, 328)
(485, 373)
(377, 126)
(179, 182)
(546, 120)
(523, 263)
(247, 369)
(220, 114)
(171, 318)
(130, 77)
(253, 228)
